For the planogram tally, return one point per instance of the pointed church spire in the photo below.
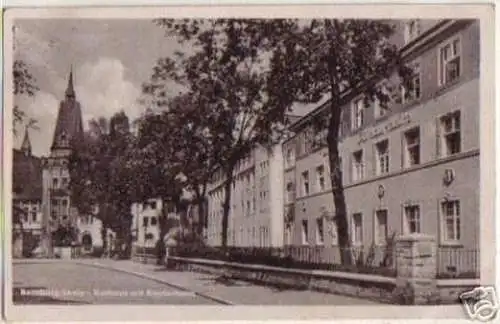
(70, 92)
(26, 146)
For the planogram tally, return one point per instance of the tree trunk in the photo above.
(337, 186)
(226, 205)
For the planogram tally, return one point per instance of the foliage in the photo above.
(24, 85)
(227, 87)
(273, 257)
(101, 184)
(64, 236)
(334, 58)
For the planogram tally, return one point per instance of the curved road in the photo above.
(65, 283)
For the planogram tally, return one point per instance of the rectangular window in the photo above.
(381, 232)
(412, 30)
(153, 205)
(290, 157)
(153, 221)
(449, 61)
(320, 178)
(412, 147)
(382, 153)
(413, 90)
(320, 235)
(357, 116)
(55, 183)
(357, 229)
(288, 234)
(305, 232)
(333, 233)
(145, 222)
(412, 219)
(358, 166)
(305, 183)
(290, 192)
(450, 211)
(450, 133)
(34, 216)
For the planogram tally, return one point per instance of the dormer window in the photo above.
(63, 139)
(412, 30)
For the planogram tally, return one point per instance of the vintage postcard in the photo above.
(250, 163)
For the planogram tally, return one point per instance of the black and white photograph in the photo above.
(227, 161)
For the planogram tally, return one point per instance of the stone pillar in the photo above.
(416, 269)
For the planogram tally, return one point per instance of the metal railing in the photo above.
(450, 262)
(457, 262)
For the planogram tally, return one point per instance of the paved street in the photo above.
(102, 281)
(79, 284)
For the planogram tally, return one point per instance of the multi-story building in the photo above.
(145, 222)
(56, 199)
(27, 194)
(410, 168)
(255, 214)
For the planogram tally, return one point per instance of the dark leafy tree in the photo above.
(225, 72)
(155, 171)
(24, 85)
(335, 57)
(101, 184)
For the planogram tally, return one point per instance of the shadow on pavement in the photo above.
(22, 298)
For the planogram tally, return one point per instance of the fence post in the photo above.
(416, 268)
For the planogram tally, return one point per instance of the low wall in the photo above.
(380, 288)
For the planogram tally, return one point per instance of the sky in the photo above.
(110, 58)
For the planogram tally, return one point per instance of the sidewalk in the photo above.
(226, 292)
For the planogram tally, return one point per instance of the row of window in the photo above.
(449, 67)
(449, 143)
(60, 182)
(31, 212)
(256, 236)
(412, 223)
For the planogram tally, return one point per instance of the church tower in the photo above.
(26, 146)
(56, 201)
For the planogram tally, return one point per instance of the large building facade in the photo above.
(410, 168)
(57, 207)
(256, 213)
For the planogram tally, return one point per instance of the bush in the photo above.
(275, 258)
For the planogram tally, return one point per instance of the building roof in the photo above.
(26, 146)
(69, 126)
(27, 176)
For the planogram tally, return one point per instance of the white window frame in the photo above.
(416, 82)
(457, 224)
(305, 180)
(358, 168)
(320, 235)
(409, 36)
(386, 157)
(443, 134)
(289, 234)
(406, 224)
(406, 147)
(304, 232)
(354, 240)
(442, 64)
(357, 113)
(376, 226)
(289, 189)
(320, 174)
(333, 233)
